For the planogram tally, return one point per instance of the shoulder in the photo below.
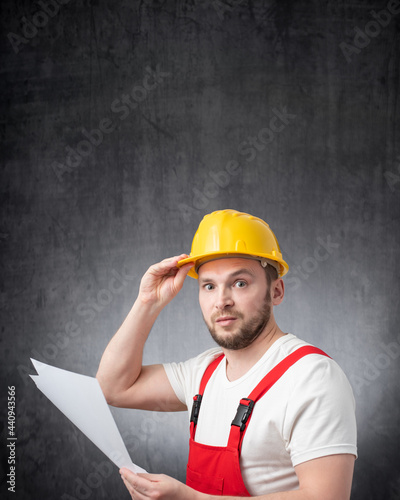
(199, 362)
(185, 376)
(309, 362)
(318, 388)
(312, 378)
(314, 368)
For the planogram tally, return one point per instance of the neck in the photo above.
(239, 362)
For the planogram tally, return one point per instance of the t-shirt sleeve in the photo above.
(185, 377)
(320, 417)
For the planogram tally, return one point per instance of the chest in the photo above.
(219, 406)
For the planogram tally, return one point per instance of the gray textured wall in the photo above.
(284, 109)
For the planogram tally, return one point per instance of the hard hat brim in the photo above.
(202, 259)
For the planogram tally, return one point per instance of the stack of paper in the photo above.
(81, 399)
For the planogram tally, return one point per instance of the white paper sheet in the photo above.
(81, 399)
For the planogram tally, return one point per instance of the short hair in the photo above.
(271, 274)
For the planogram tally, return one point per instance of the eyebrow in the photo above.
(239, 272)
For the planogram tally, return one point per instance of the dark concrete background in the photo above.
(284, 109)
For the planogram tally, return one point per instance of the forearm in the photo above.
(121, 363)
(327, 478)
(167, 488)
(284, 495)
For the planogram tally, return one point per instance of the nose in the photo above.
(224, 299)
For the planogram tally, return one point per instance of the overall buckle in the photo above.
(243, 413)
(196, 408)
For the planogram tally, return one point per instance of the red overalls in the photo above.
(215, 470)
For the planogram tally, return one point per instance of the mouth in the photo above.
(225, 320)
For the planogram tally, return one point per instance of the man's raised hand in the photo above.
(162, 281)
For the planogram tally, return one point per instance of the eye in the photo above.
(208, 287)
(240, 284)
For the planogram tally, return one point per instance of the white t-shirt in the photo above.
(308, 413)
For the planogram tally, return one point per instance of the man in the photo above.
(271, 416)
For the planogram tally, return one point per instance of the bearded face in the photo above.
(240, 332)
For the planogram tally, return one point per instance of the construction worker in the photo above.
(272, 417)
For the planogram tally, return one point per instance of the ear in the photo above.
(277, 291)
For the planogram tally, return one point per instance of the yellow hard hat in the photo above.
(229, 233)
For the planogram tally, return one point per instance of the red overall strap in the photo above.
(242, 419)
(209, 371)
(197, 399)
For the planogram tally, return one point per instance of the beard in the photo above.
(248, 332)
